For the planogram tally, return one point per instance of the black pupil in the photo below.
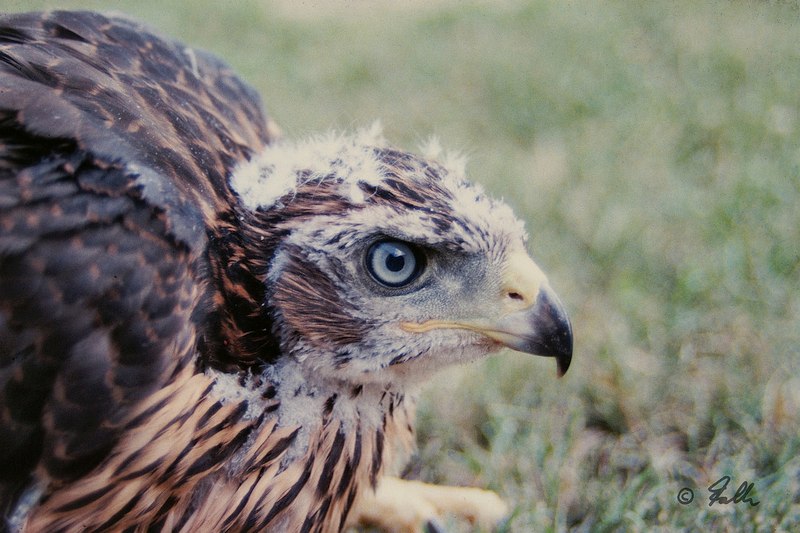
(396, 261)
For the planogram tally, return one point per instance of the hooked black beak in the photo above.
(542, 329)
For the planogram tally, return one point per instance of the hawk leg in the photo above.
(404, 506)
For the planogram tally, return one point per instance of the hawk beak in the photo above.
(532, 319)
(541, 329)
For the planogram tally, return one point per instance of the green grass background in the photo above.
(653, 149)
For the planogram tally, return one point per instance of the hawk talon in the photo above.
(433, 526)
(405, 506)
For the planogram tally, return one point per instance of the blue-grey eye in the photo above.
(394, 263)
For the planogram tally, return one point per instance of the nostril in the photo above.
(515, 296)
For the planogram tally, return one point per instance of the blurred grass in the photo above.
(653, 148)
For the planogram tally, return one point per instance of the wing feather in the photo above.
(115, 148)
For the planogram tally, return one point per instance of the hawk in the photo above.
(204, 327)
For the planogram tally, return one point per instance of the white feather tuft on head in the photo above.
(431, 148)
(455, 162)
(275, 173)
(271, 179)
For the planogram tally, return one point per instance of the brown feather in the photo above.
(133, 282)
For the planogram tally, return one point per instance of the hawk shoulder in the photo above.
(115, 146)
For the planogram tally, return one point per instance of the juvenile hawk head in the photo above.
(386, 265)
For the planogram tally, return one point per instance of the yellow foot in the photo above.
(402, 506)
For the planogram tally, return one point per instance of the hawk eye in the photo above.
(394, 263)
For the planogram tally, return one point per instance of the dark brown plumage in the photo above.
(204, 329)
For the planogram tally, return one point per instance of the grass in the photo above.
(653, 149)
